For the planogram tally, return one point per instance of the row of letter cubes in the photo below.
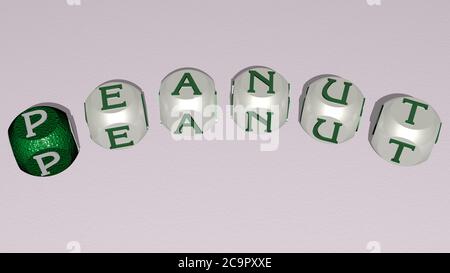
(330, 110)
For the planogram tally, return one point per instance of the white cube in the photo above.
(406, 131)
(331, 110)
(116, 114)
(260, 99)
(188, 101)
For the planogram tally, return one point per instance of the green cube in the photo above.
(42, 141)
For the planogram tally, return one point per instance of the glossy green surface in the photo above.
(53, 135)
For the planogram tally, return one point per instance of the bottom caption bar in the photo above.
(220, 262)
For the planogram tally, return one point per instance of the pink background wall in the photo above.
(164, 195)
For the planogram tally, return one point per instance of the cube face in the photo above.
(188, 101)
(332, 109)
(406, 131)
(42, 141)
(116, 114)
(260, 99)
